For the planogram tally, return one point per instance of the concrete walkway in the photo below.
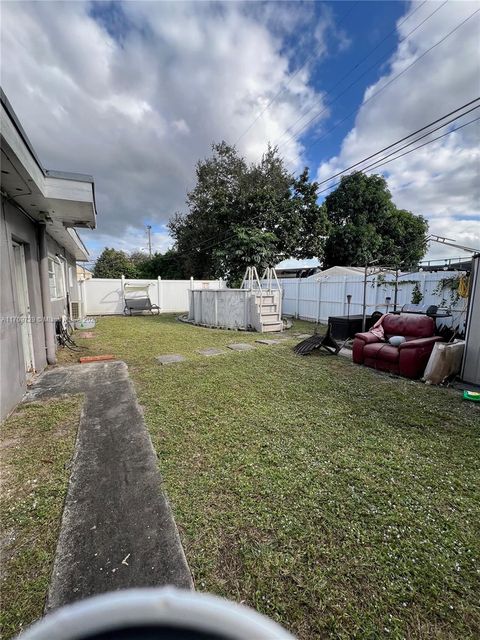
(117, 527)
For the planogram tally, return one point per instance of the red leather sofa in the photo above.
(410, 358)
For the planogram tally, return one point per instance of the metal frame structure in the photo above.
(148, 306)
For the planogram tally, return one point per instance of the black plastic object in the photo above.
(344, 327)
(318, 341)
(422, 309)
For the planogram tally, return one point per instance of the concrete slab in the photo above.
(170, 358)
(241, 346)
(346, 353)
(117, 527)
(268, 342)
(211, 351)
(303, 336)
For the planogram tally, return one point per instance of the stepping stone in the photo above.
(85, 334)
(170, 358)
(303, 336)
(241, 346)
(268, 341)
(211, 351)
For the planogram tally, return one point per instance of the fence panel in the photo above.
(305, 298)
(105, 296)
(318, 299)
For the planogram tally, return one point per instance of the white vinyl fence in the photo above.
(305, 298)
(105, 296)
(316, 300)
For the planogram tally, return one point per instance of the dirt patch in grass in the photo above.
(341, 502)
(37, 446)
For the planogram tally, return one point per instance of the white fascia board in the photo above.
(20, 149)
(62, 189)
(51, 188)
(81, 248)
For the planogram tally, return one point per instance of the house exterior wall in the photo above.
(60, 306)
(17, 227)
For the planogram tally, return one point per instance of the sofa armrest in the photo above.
(367, 337)
(420, 342)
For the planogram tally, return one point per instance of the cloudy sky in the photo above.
(135, 93)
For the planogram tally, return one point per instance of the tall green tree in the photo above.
(113, 264)
(242, 214)
(168, 265)
(139, 258)
(366, 225)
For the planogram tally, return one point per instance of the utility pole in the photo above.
(149, 233)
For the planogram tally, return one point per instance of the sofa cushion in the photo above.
(381, 351)
(409, 325)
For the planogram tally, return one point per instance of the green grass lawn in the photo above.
(341, 502)
(37, 446)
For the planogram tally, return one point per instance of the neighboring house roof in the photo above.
(292, 263)
(339, 271)
(83, 273)
(303, 272)
(292, 268)
(62, 200)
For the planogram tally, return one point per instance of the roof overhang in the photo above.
(61, 200)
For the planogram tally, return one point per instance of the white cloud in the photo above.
(138, 106)
(442, 180)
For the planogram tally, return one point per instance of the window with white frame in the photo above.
(56, 278)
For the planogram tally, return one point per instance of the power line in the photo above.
(376, 93)
(282, 89)
(447, 133)
(377, 164)
(394, 144)
(380, 163)
(370, 98)
(306, 125)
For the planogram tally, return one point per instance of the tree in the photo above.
(243, 214)
(139, 258)
(113, 264)
(366, 225)
(168, 265)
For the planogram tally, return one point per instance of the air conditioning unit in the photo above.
(77, 310)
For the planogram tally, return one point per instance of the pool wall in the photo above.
(236, 309)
